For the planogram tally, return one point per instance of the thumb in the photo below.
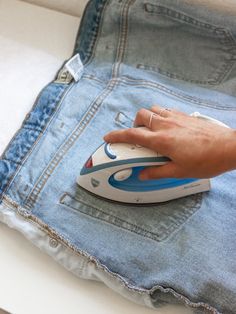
(169, 170)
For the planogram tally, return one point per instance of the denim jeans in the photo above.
(135, 53)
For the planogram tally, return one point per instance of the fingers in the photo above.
(132, 136)
(145, 117)
(152, 118)
(169, 170)
(140, 136)
(160, 111)
(156, 117)
(167, 112)
(154, 135)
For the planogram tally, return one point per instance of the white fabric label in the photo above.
(75, 67)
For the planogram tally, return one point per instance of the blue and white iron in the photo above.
(112, 172)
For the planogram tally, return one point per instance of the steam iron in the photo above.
(112, 172)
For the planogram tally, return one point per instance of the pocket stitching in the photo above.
(179, 16)
(223, 36)
(173, 75)
(62, 201)
(158, 237)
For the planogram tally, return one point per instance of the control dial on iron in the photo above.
(109, 152)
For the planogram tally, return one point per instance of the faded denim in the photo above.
(178, 54)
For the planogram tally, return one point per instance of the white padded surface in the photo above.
(34, 43)
(73, 7)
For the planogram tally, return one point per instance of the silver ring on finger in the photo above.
(150, 119)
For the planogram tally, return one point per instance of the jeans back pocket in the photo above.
(156, 221)
(182, 47)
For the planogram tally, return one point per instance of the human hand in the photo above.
(197, 148)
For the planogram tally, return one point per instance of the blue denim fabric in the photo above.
(178, 54)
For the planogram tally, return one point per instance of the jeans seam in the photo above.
(94, 107)
(192, 99)
(25, 119)
(27, 127)
(93, 78)
(148, 83)
(96, 36)
(122, 38)
(59, 102)
(66, 145)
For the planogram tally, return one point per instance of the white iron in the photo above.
(112, 172)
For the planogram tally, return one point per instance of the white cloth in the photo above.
(73, 7)
(34, 42)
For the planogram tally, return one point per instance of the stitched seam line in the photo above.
(95, 37)
(144, 83)
(118, 222)
(27, 127)
(61, 98)
(93, 77)
(89, 56)
(25, 119)
(225, 69)
(32, 197)
(162, 10)
(39, 136)
(152, 235)
(122, 39)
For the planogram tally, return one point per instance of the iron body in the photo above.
(112, 172)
